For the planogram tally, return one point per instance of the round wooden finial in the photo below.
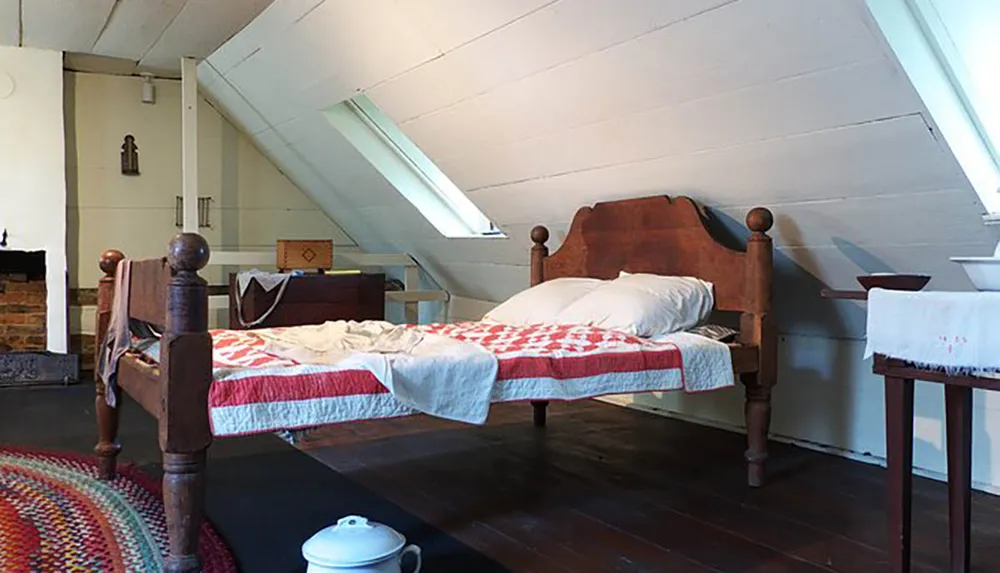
(109, 261)
(539, 234)
(188, 252)
(760, 220)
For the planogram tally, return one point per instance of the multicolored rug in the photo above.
(55, 515)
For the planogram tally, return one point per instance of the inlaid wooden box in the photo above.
(304, 255)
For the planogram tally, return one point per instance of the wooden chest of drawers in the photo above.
(312, 299)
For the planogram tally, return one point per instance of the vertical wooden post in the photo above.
(757, 327)
(189, 143)
(107, 447)
(539, 236)
(411, 282)
(899, 463)
(185, 378)
(958, 416)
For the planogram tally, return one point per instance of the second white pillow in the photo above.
(643, 305)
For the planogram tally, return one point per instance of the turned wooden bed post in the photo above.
(107, 447)
(539, 235)
(185, 378)
(757, 327)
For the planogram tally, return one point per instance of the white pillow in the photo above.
(542, 303)
(643, 305)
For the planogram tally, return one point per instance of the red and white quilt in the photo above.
(255, 392)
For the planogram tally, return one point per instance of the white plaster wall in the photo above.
(32, 170)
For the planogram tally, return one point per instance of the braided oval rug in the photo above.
(55, 515)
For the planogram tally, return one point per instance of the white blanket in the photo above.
(430, 373)
(956, 331)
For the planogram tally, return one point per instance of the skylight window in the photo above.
(411, 172)
(951, 52)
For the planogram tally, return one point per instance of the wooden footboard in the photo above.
(168, 294)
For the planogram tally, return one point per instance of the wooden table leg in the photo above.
(958, 415)
(899, 458)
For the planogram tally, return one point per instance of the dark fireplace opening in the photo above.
(24, 324)
(23, 265)
(23, 295)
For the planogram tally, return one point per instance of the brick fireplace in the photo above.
(23, 331)
(22, 300)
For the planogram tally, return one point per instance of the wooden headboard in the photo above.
(664, 236)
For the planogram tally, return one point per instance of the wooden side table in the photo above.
(899, 377)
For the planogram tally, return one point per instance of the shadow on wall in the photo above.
(72, 180)
(814, 399)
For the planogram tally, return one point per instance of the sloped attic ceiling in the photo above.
(537, 107)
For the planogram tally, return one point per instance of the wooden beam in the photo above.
(189, 143)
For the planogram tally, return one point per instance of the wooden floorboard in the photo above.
(604, 488)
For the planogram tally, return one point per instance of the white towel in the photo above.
(955, 331)
(430, 373)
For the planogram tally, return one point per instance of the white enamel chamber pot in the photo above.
(356, 545)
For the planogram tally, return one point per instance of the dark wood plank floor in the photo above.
(604, 488)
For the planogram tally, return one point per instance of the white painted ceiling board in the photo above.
(49, 24)
(349, 45)
(332, 156)
(268, 26)
(135, 26)
(451, 23)
(943, 218)
(238, 109)
(269, 139)
(199, 28)
(10, 22)
(207, 75)
(802, 104)
(556, 34)
(870, 158)
(666, 67)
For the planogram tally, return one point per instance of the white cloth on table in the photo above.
(267, 281)
(958, 332)
(431, 373)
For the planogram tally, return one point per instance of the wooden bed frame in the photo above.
(653, 234)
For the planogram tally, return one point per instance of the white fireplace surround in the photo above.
(33, 171)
